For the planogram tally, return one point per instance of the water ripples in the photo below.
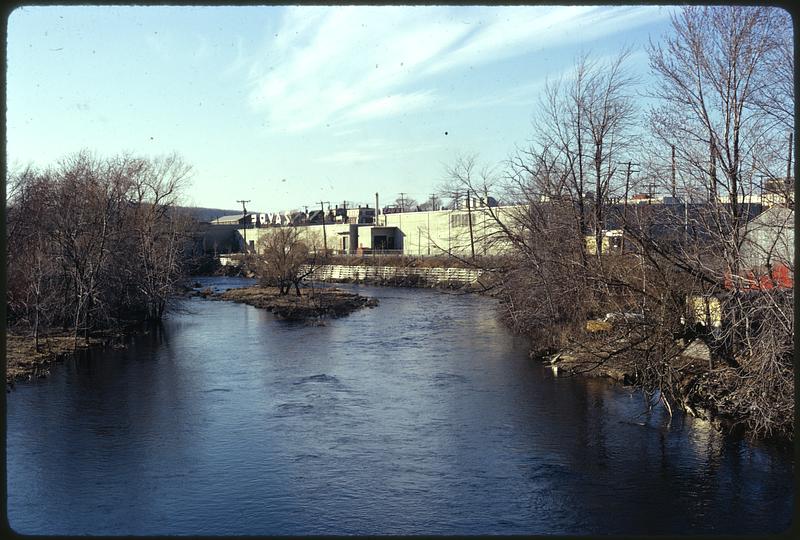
(420, 416)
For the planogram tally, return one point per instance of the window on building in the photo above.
(459, 220)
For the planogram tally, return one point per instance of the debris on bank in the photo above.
(703, 392)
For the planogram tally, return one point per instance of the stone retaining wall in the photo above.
(431, 276)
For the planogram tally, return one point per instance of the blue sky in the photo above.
(287, 106)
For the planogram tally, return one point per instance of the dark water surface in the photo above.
(420, 416)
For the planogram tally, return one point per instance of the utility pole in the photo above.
(625, 200)
(433, 201)
(324, 235)
(244, 225)
(469, 218)
(686, 216)
(674, 184)
(761, 188)
(377, 209)
(712, 172)
(650, 192)
(429, 232)
(402, 202)
(456, 200)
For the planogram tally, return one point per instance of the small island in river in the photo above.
(327, 302)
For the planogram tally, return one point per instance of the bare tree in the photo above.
(160, 232)
(713, 73)
(723, 109)
(584, 127)
(282, 257)
(93, 243)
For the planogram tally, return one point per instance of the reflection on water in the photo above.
(419, 416)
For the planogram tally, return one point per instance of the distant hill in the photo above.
(207, 214)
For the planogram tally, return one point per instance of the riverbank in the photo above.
(313, 304)
(703, 389)
(25, 363)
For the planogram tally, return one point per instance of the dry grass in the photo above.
(24, 362)
(595, 326)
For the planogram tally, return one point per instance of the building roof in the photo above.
(231, 219)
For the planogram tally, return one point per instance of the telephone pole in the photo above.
(244, 224)
(469, 217)
(761, 188)
(324, 235)
(628, 172)
(402, 202)
(625, 200)
(651, 190)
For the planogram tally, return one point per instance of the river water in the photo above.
(422, 415)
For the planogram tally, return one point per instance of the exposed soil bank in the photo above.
(328, 302)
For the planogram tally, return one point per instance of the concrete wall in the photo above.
(432, 276)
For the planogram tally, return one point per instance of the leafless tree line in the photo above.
(720, 128)
(94, 243)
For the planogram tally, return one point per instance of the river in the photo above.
(422, 415)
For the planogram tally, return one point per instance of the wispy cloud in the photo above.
(375, 150)
(339, 66)
(390, 105)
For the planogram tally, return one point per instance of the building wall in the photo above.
(221, 239)
(770, 236)
(419, 233)
(447, 231)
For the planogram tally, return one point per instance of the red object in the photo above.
(780, 277)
